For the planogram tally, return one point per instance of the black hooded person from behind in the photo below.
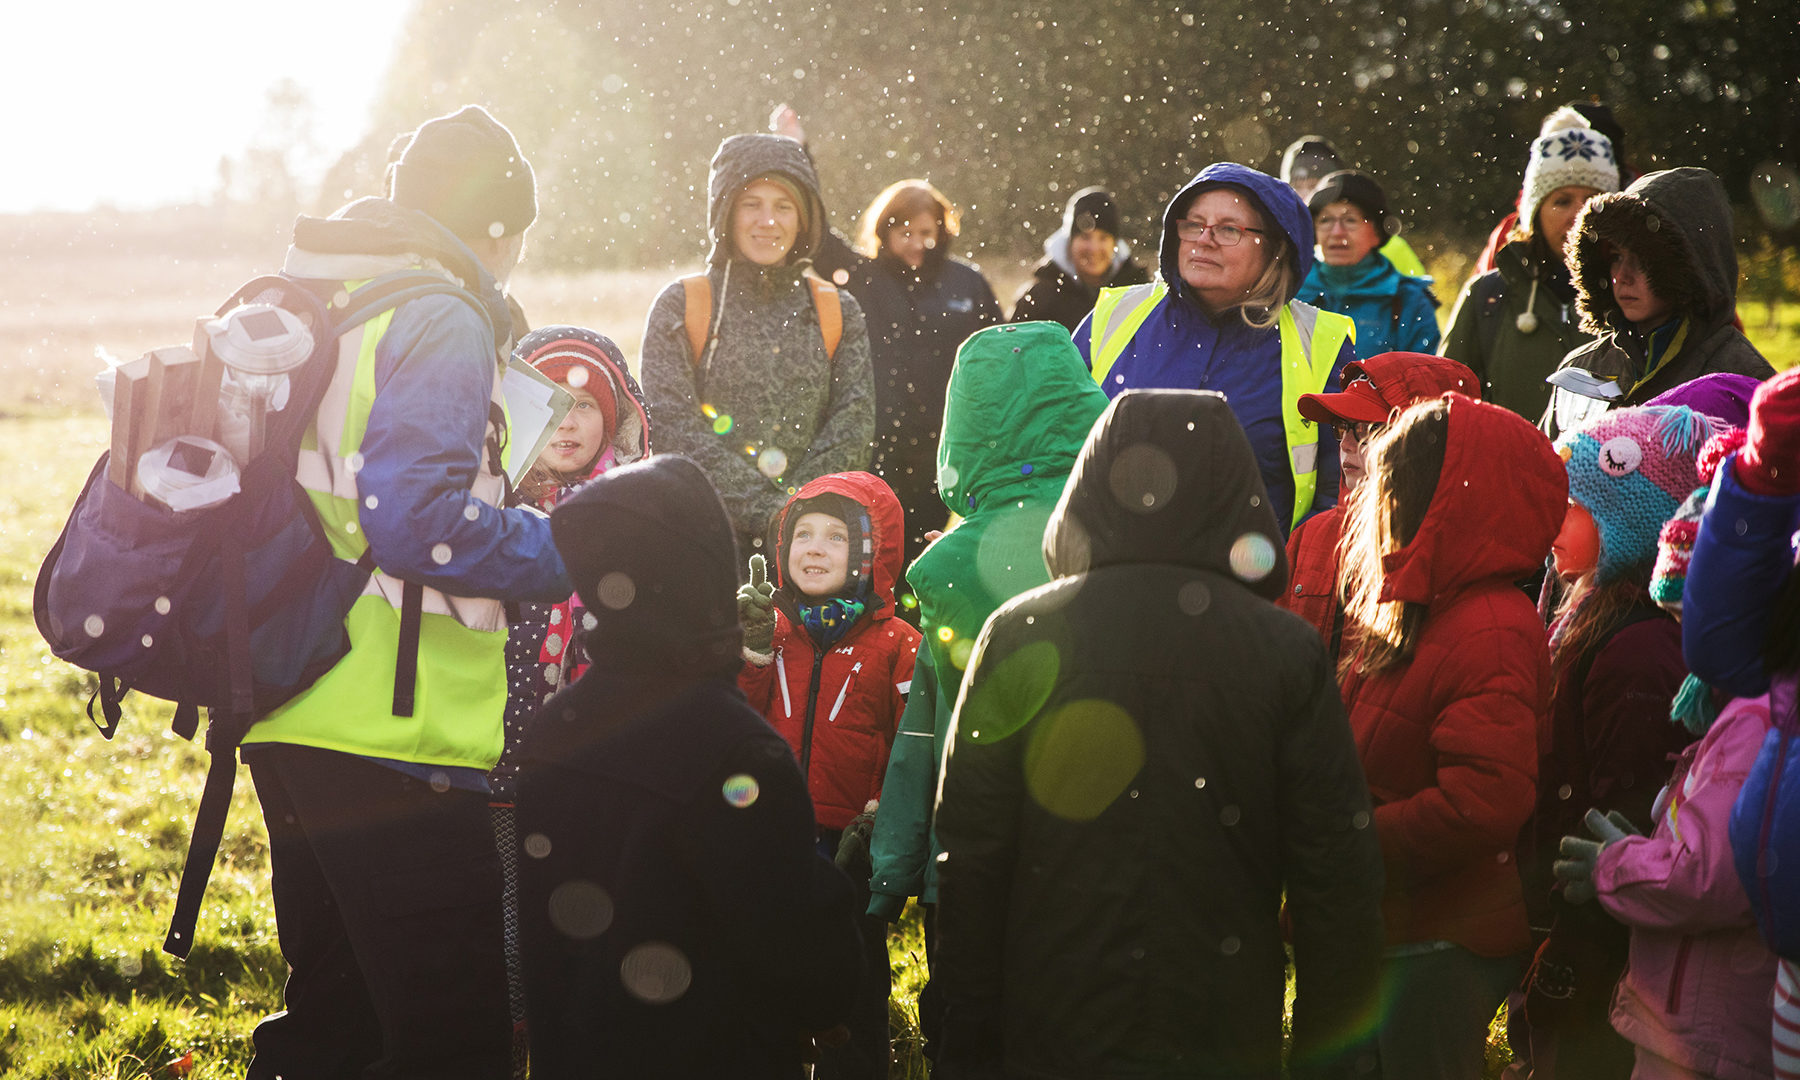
(1146, 756)
(675, 920)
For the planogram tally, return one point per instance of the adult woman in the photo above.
(766, 402)
(1236, 244)
(921, 303)
(1515, 323)
(1393, 311)
(1081, 258)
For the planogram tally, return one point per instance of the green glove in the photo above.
(756, 607)
(1582, 856)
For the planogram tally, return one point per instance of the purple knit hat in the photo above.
(1722, 395)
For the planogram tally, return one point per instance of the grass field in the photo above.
(92, 833)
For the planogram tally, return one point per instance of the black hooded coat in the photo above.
(675, 920)
(1146, 753)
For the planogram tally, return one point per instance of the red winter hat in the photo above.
(1376, 388)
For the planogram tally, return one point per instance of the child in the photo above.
(1020, 403)
(1446, 677)
(829, 665)
(1740, 616)
(674, 915)
(1694, 998)
(1656, 276)
(1617, 660)
(1146, 756)
(608, 426)
(1375, 390)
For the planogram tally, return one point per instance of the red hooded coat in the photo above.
(1450, 739)
(839, 709)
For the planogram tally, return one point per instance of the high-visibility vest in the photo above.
(1310, 342)
(458, 692)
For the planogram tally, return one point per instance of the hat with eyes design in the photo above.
(1630, 469)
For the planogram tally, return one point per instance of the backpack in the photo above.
(222, 606)
(702, 332)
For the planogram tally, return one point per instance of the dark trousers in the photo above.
(387, 903)
(1438, 1006)
(867, 1054)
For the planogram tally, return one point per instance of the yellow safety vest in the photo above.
(1310, 342)
(460, 688)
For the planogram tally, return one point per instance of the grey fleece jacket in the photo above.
(770, 411)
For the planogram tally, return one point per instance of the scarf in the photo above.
(828, 619)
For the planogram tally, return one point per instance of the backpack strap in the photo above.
(697, 292)
(830, 309)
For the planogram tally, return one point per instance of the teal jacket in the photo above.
(1392, 311)
(1018, 409)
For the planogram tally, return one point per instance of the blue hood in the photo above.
(1276, 199)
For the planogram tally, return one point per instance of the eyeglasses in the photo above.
(1359, 432)
(1348, 222)
(1223, 235)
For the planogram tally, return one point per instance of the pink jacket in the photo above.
(1697, 987)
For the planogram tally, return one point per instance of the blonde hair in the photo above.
(1278, 283)
(1403, 466)
(900, 202)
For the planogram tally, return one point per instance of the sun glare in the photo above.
(133, 104)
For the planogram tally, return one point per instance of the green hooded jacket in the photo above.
(1019, 406)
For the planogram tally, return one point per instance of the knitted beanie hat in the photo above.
(1091, 208)
(1630, 469)
(466, 171)
(1675, 544)
(1567, 153)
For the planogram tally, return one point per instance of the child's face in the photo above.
(819, 557)
(1631, 288)
(1576, 549)
(582, 435)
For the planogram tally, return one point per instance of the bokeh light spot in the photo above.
(577, 376)
(656, 973)
(580, 909)
(1143, 478)
(94, 625)
(722, 424)
(440, 554)
(772, 462)
(1082, 757)
(1010, 693)
(616, 590)
(1193, 598)
(741, 790)
(537, 845)
(1252, 557)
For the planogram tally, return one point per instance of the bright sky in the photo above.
(134, 103)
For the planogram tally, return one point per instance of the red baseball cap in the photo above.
(1376, 388)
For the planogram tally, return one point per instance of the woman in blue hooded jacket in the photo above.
(1236, 245)
(1393, 312)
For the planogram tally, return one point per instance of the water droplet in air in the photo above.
(1230, 946)
(371, 502)
(131, 966)
(1231, 815)
(1194, 598)
(772, 462)
(537, 845)
(440, 553)
(577, 376)
(472, 511)
(148, 641)
(354, 463)
(497, 229)
(94, 625)
(440, 781)
(163, 605)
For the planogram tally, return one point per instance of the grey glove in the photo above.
(756, 607)
(853, 845)
(1582, 856)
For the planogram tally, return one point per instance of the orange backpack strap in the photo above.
(831, 312)
(697, 291)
